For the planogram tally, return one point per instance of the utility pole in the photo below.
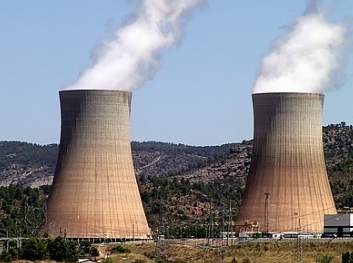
(267, 216)
(197, 221)
(229, 220)
(299, 244)
(210, 226)
(7, 240)
(161, 250)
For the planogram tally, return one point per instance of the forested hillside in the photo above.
(179, 184)
(338, 148)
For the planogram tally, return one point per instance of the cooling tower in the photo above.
(95, 192)
(287, 187)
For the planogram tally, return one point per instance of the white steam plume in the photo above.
(129, 60)
(307, 59)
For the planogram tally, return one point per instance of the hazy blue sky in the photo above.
(201, 94)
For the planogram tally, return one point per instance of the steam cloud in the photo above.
(307, 59)
(132, 58)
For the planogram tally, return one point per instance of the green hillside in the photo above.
(180, 185)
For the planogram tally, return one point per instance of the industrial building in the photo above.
(338, 225)
(95, 192)
(287, 188)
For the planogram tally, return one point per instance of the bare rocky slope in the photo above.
(181, 182)
(33, 165)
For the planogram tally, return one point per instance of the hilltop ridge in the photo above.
(180, 181)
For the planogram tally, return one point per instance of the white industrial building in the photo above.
(339, 224)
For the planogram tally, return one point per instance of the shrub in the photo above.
(5, 256)
(62, 250)
(110, 260)
(13, 253)
(164, 260)
(347, 257)
(34, 249)
(120, 249)
(94, 252)
(148, 255)
(324, 258)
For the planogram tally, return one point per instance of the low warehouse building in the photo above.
(340, 225)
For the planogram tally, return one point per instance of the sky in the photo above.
(201, 91)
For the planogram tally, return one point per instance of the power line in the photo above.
(267, 216)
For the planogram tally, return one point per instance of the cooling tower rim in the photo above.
(302, 94)
(94, 91)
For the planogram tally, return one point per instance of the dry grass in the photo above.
(276, 252)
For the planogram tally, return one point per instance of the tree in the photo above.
(94, 252)
(347, 257)
(5, 256)
(62, 250)
(34, 249)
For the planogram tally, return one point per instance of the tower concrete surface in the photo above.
(95, 192)
(287, 188)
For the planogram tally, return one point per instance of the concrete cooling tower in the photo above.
(95, 192)
(287, 188)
